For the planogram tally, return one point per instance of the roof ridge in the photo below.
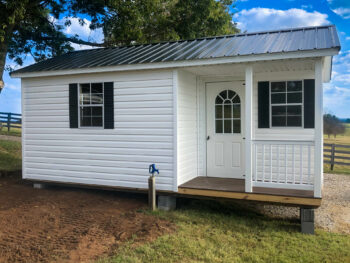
(211, 37)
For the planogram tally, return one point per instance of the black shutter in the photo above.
(73, 105)
(264, 104)
(309, 103)
(108, 105)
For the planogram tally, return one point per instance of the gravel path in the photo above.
(334, 213)
(10, 138)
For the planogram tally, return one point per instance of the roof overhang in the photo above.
(187, 63)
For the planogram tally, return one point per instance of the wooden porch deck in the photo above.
(235, 189)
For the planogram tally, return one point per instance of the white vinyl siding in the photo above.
(143, 133)
(187, 127)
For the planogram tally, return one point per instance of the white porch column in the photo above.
(318, 177)
(248, 127)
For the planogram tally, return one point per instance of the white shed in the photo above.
(232, 116)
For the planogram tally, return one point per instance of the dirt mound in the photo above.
(69, 225)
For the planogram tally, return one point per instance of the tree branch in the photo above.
(77, 41)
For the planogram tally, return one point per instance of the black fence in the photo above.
(10, 120)
(336, 154)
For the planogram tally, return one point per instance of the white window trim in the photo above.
(92, 105)
(287, 104)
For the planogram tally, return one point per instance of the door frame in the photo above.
(202, 117)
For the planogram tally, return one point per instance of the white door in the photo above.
(225, 127)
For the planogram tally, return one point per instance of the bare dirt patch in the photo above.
(68, 224)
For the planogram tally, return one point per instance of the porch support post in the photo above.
(318, 159)
(248, 128)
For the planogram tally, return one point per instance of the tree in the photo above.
(29, 27)
(147, 21)
(332, 125)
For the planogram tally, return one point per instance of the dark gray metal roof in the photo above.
(278, 41)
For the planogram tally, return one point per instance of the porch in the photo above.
(229, 141)
(235, 189)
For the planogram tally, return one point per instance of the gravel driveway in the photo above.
(334, 213)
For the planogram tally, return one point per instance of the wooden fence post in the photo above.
(9, 121)
(332, 156)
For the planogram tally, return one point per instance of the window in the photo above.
(91, 104)
(227, 112)
(286, 103)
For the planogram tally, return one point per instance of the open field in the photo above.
(343, 139)
(12, 132)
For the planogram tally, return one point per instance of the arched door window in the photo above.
(227, 112)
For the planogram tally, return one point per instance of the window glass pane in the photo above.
(237, 111)
(279, 121)
(294, 97)
(231, 94)
(85, 111)
(227, 111)
(218, 112)
(218, 125)
(97, 99)
(223, 94)
(236, 99)
(227, 126)
(278, 86)
(294, 110)
(294, 121)
(85, 121)
(279, 110)
(236, 126)
(278, 98)
(85, 88)
(84, 98)
(97, 121)
(294, 86)
(218, 100)
(227, 102)
(96, 88)
(96, 111)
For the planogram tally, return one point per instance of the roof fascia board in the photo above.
(185, 63)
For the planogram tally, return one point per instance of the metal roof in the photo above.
(278, 41)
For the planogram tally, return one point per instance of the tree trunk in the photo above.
(3, 52)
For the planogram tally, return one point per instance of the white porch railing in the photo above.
(283, 164)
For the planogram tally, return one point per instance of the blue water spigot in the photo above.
(152, 169)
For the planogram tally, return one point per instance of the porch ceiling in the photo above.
(238, 69)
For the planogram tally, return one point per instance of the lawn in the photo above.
(209, 231)
(340, 139)
(10, 156)
(12, 132)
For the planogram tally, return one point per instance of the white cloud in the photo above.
(257, 19)
(83, 31)
(343, 12)
(347, 38)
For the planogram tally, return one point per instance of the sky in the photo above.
(250, 16)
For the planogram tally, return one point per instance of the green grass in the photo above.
(340, 139)
(10, 156)
(208, 231)
(12, 132)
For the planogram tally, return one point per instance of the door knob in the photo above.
(208, 138)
